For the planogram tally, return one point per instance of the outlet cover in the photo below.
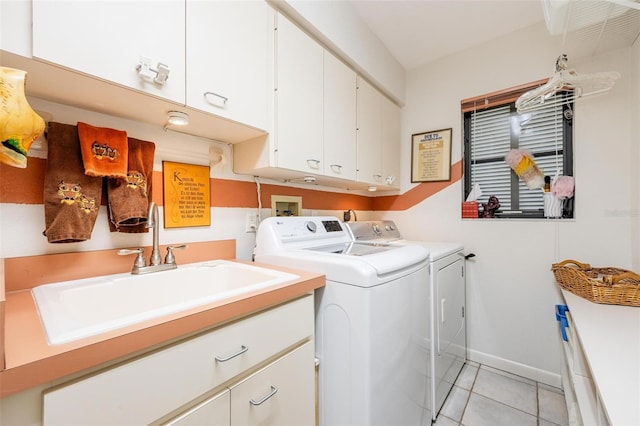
(251, 224)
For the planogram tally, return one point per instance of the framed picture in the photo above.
(431, 156)
(186, 195)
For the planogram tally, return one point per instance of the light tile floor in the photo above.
(485, 396)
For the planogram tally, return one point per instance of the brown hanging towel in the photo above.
(128, 199)
(104, 150)
(71, 198)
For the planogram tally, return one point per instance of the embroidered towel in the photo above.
(104, 150)
(71, 198)
(128, 199)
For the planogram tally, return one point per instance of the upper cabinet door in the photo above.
(107, 39)
(390, 143)
(369, 134)
(339, 119)
(299, 99)
(227, 53)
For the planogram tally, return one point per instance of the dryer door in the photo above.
(449, 324)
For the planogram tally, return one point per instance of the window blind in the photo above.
(494, 131)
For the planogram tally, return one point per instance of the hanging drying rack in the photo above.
(567, 82)
(592, 27)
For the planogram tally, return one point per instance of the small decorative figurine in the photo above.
(19, 123)
(490, 207)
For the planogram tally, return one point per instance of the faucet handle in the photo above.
(170, 258)
(139, 262)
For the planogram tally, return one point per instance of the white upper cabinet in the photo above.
(339, 119)
(369, 134)
(110, 39)
(298, 100)
(227, 59)
(378, 141)
(390, 143)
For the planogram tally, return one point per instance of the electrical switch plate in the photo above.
(251, 223)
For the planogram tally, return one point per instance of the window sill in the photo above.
(536, 216)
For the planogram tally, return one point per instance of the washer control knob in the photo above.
(311, 226)
(376, 229)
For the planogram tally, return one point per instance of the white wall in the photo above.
(21, 225)
(635, 157)
(511, 291)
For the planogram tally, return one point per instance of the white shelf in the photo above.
(609, 338)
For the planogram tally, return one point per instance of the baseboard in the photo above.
(532, 373)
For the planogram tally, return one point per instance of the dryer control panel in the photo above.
(374, 230)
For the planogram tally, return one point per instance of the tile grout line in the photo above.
(466, 404)
(537, 403)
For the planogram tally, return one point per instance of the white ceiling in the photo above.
(420, 31)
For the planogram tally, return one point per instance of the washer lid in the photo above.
(353, 248)
(363, 270)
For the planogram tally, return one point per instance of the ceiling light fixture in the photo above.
(177, 118)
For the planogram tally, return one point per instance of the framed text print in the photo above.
(431, 156)
(187, 197)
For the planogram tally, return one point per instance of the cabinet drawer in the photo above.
(280, 394)
(147, 388)
(213, 411)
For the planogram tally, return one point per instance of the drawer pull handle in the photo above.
(224, 99)
(274, 390)
(242, 350)
(314, 164)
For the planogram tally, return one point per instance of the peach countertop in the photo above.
(31, 361)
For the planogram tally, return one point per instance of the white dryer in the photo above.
(371, 319)
(447, 297)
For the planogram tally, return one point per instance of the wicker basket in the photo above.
(613, 286)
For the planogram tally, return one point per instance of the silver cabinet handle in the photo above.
(337, 168)
(242, 350)
(314, 164)
(274, 390)
(224, 98)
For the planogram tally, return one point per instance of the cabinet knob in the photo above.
(314, 164)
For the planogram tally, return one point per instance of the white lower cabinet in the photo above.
(283, 393)
(583, 404)
(241, 360)
(213, 411)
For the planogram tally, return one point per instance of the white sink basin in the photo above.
(72, 310)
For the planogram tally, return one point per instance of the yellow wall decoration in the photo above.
(187, 197)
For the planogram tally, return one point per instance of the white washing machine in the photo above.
(372, 319)
(447, 296)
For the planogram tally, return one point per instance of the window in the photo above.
(492, 127)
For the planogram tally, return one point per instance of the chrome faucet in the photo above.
(152, 222)
(155, 261)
